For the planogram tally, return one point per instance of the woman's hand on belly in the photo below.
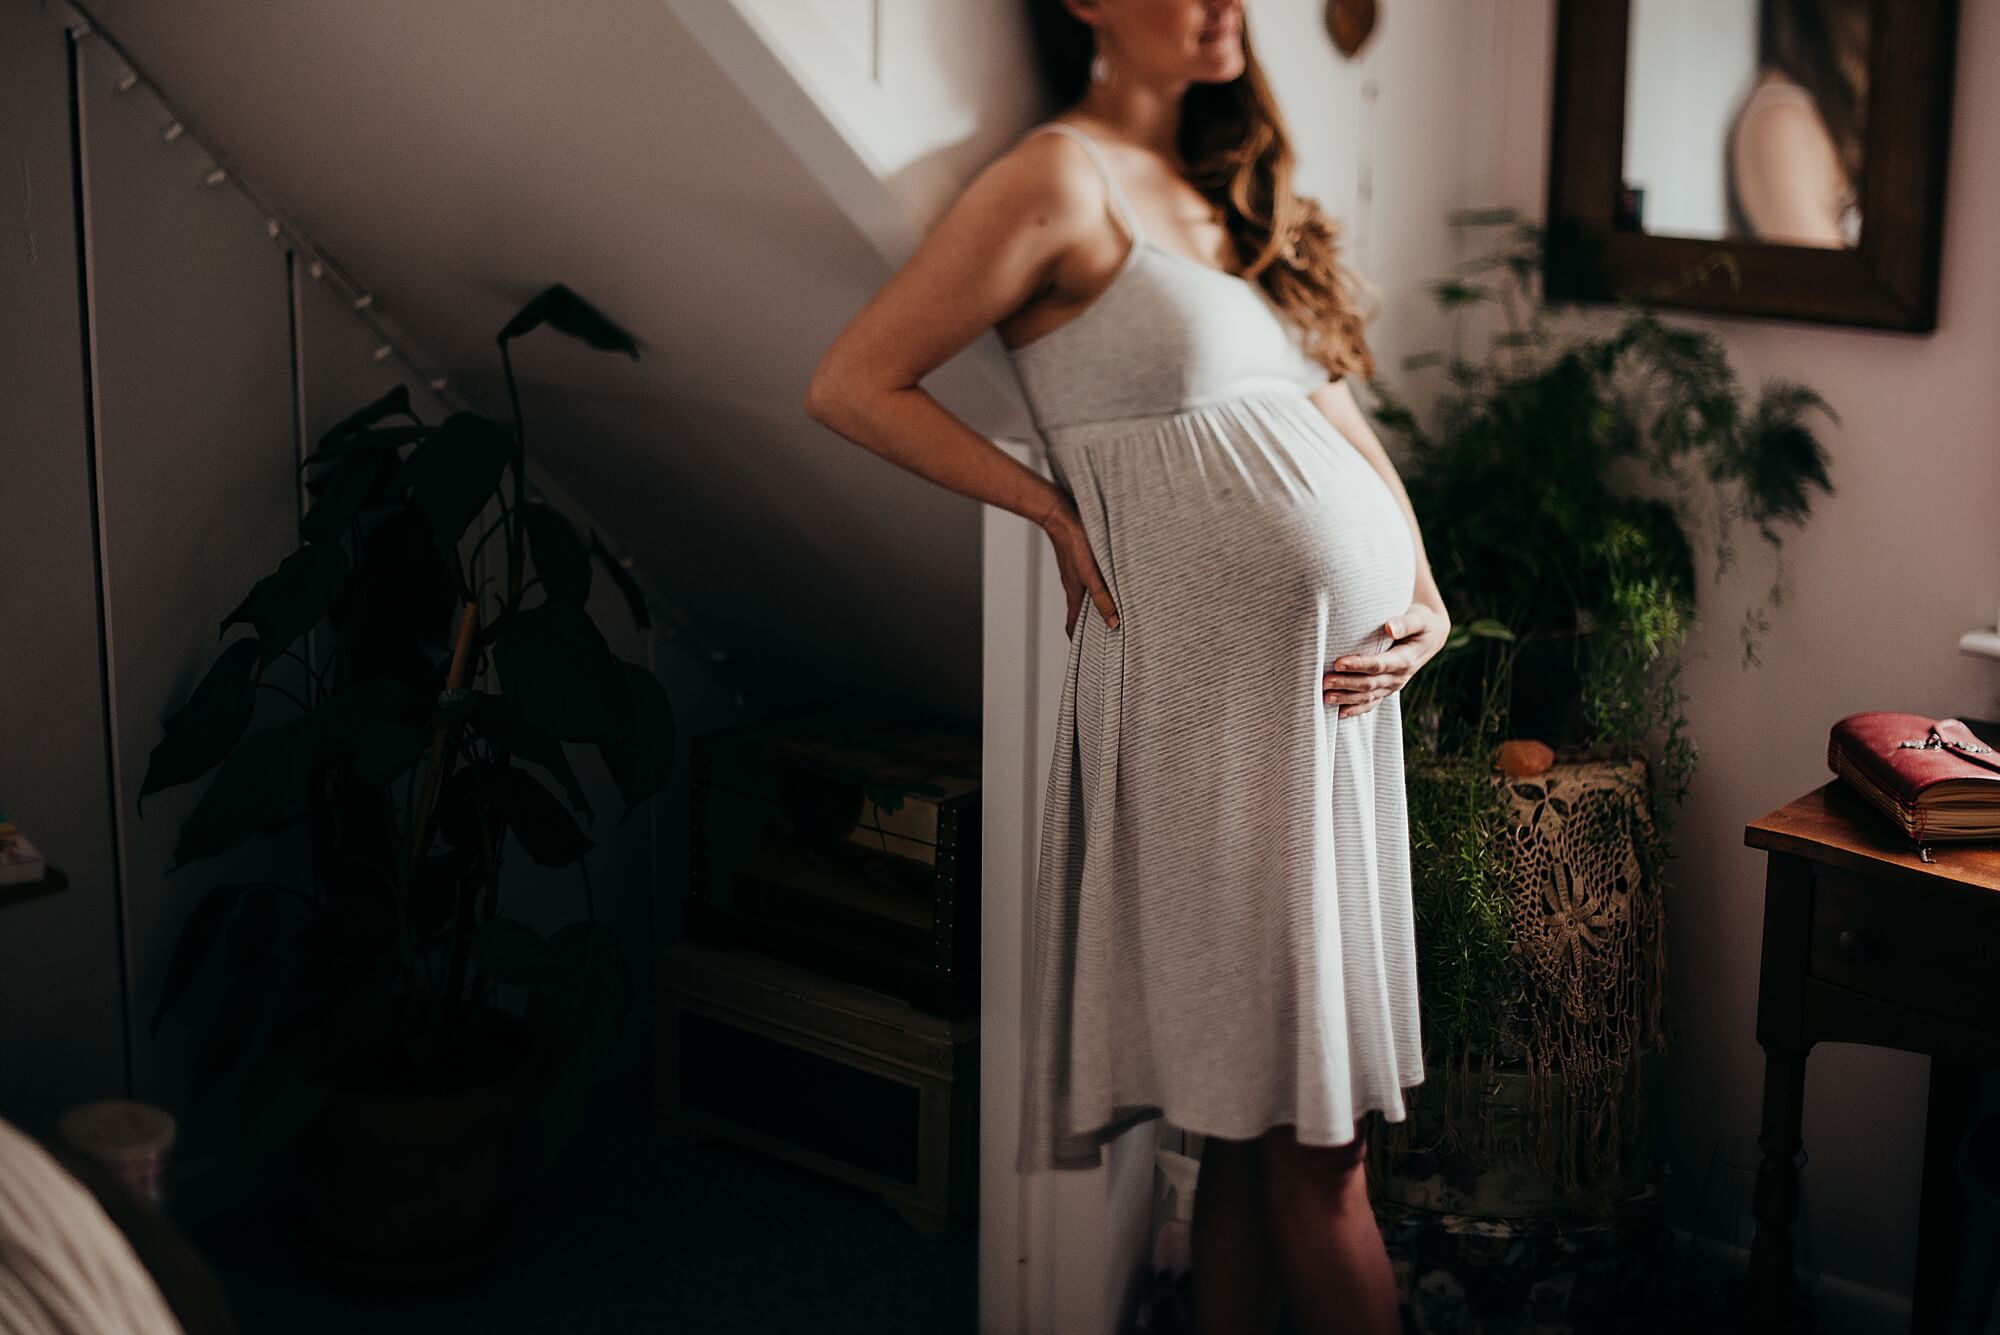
(1359, 682)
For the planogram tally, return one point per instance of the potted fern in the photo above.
(433, 621)
(1559, 485)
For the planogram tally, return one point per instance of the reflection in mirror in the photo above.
(1745, 118)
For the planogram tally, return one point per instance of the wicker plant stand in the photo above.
(1523, 1193)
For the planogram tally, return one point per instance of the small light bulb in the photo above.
(216, 177)
(315, 270)
(383, 353)
(129, 82)
(438, 382)
(271, 228)
(364, 301)
(172, 132)
(80, 30)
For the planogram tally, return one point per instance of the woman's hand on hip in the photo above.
(1359, 682)
(1080, 575)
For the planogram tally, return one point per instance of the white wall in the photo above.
(461, 157)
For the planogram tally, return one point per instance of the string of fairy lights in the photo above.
(390, 341)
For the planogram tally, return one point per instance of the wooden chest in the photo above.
(823, 1073)
(846, 843)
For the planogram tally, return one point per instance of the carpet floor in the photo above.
(637, 1230)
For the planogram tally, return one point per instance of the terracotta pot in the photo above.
(405, 1190)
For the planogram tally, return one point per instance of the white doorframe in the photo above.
(1060, 1253)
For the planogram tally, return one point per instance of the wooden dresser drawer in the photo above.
(1919, 951)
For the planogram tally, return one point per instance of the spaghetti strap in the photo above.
(1126, 214)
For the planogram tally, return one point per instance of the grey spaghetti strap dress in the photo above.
(1221, 913)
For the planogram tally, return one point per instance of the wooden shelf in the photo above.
(52, 881)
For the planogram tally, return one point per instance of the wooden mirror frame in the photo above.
(1888, 281)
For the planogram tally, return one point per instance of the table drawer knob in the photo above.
(1858, 946)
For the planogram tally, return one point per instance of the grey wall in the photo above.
(178, 356)
(59, 977)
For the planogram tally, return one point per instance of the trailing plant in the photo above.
(434, 619)
(1558, 483)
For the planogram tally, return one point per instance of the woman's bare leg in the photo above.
(1335, 1267)
(1236, 1283)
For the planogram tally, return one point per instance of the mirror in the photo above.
(1771, 157)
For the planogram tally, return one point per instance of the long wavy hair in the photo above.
(1822, 45)
(1239, 156)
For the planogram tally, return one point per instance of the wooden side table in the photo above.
(1866, 943)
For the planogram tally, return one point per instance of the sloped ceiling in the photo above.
(458, 157)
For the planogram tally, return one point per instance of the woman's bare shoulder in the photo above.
(1043, 171)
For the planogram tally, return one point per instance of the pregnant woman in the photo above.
(1222, 922)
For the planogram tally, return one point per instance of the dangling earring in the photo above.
(1100, 68)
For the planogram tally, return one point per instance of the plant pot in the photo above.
(1507, 1182)
(404, 1189)
(1538, 1275)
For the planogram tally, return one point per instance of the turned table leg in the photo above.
(1954, 1096)
(1776, 1202)
(1788, 895)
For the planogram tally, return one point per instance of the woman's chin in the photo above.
(1221, 67)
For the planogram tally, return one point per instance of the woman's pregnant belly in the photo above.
(1288, 549)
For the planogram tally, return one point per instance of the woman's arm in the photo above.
(1359, 681)
(991, 252)
(995, 249)
(1336, 400)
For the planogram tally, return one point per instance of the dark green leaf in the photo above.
(213, 720)
(386, 751)
(544, 828)
(560, 308)
(344, 715)
(513, 952)
(452, 475)
(382, 725)
(260, 781)
(375, 440)
(198, 936)
(578, 1008)
(404, 595)
(1452, 293)
(635, 597)
(395, 401)
(500, 719)
(560, 560)
(344, 491)
(251, 938)
(290, 601)
(556, 666)
(641, 757)
(287, 1083)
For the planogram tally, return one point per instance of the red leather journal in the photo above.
(1933, 777)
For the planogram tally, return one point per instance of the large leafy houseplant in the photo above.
(433, 621)
(1558, 489)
